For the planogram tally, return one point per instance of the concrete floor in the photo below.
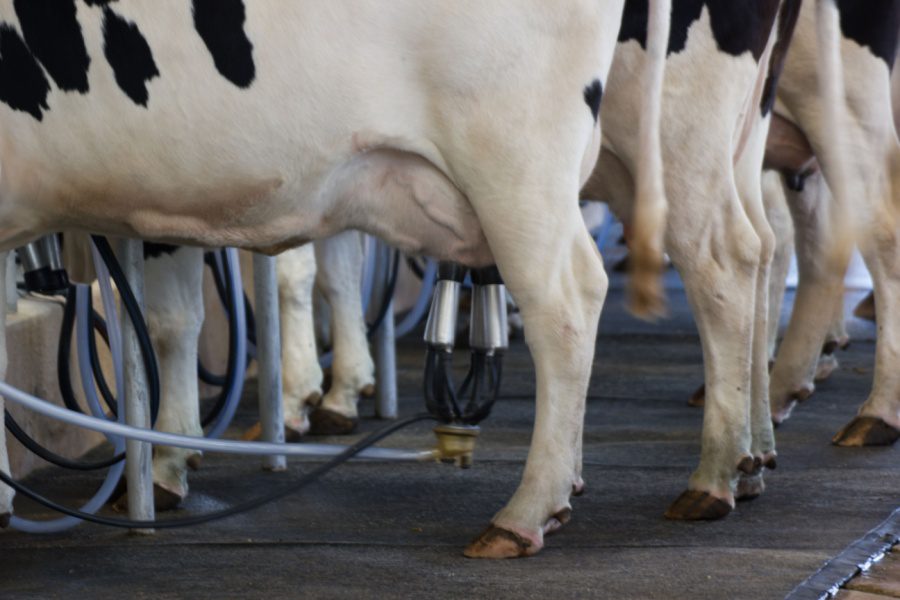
(397, 530)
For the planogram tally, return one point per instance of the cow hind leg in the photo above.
(301, 374)
(340, 264)
(719, 261)
(819, 290)
(174, 293)
(555, 274)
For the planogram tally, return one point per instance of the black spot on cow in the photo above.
(23, 85)
(874, 24)
(129, 56)
(787, 23)
(153, 250)
(593, 93)
(98, 2)
(738, 26)
(53, 35)
(220, 24)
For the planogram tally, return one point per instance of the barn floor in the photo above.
(397, 530)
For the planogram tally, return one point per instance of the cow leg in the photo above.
(6, 493)
(779, 217)
(555, 274)
(340, 263)
(750, 186)
(878, 421)
(819, 289)
(301, 374)
(174, 301)
(719, 260)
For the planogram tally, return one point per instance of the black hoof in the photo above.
(4, 520)
(327, 422)
(698, 398)
(694, 505)
(866, 431)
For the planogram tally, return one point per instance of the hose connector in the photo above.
(456, 444)
(42, 263)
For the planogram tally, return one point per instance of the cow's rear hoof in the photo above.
(5, 519)
(866, 308)
(496, 542)
(698, 398)
(368, 390)
(749, 487)
(163, 499)
(694, 505)
(866, 431)
(328, 422)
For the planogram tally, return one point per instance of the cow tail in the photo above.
(834, 113)
(646, 297)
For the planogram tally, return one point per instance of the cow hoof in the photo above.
(327, 422)
(750, 465)
(194, 461)
(698, 398)
(749, 487)
(163, 499)
(866, 431)
(368, 390)
(496, 542)
(4, 520)
(866, 308)
(694, 505)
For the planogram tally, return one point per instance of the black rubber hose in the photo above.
(109, 398)
(386, 296)
(137, 319)
(29, 442)
(305, 480)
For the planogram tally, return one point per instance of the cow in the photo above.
(868, 48)
(721, 72)
(224, 123)
(175, 312)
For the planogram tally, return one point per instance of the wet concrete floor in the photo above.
(381, 530)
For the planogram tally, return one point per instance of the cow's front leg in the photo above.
(719, 258)
(6, 493)
(301, 374)
(340, 262)
(174, 300)
(555, 274)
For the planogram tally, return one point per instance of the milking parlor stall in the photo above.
(450, 299)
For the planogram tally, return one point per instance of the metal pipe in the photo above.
(139, 455)
(385, 349)
(208, 445)
(268, 356)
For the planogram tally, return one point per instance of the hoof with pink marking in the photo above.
(866, 431)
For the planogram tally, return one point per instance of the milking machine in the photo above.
(456, 434)
(488, 339)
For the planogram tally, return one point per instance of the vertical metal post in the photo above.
(12, 294)
(385, 348)
(268, 356)
(139, 455)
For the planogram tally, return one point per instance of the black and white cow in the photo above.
(869, 49)
(723, 63)
(462, 130)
